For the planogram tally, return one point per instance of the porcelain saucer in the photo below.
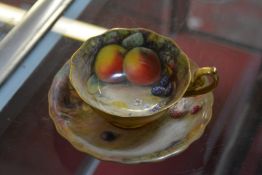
(88, 132)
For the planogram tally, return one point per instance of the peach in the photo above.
(109, 63)
(142, 66)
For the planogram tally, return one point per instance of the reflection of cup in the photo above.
(186, 81)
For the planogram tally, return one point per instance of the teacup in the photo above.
(132, 76)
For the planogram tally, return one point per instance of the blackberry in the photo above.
(158, 91)
(164, 81)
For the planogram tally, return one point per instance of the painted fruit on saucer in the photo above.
(88, 132)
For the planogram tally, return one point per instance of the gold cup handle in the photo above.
(204, 80)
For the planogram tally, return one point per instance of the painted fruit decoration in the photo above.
(129, 72)
(109, 63)
(136, 58)
(142, 66)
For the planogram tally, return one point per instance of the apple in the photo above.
(142, 66)
(109, 63)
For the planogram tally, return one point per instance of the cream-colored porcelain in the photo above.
(84, 128)
(187, 82)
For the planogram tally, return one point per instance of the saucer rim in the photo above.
(156, 156)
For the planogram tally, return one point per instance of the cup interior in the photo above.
(129, 96)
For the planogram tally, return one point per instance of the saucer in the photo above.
(77, 122)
